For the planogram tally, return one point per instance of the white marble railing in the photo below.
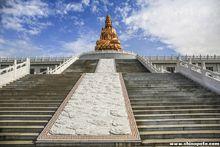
(193, 57)
(59, 69)
(61, 59)
(148, 64)
(33, 59)
(14, 72)
(199, 74)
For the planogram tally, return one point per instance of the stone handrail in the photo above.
(14, 72)
(59, 69)
(146, 62)
(33, 59)
(61, 59)
(193, 57)
(201, 75)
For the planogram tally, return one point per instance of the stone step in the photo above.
(28, 108)
(17, 136)
(129, 66)
(24, 112)
(177, 102)
(24, 129)
(29, 104)
(39, 98)
(195, 98)
(138, 107)
(30, 101)
(174, 111)
(165, 96)
(181, 142)
(156, 90)
(180, 94)
(22, 122)
(173, 99)
(172, 116)
(179, 127)
(55, 93)
(25, 117)
(180, 134)
(178, 121)
(163, 86)
(17, 143)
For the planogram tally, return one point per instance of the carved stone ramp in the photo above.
(96, 111)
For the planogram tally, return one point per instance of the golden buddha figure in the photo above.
(108, 38)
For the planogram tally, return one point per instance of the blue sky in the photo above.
(147, 27)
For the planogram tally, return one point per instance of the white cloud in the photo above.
(123, 10)
(101, 19)
(100, 6)
(74, 7)
(19, 47)
(160, 48)
(86, 42)
(2, 41)
(189, 26)
(23, 16)
(62, 8)
(86, 2)
(77, 21)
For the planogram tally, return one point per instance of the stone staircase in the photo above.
(129, 66)
(28, 104)
(170, 108)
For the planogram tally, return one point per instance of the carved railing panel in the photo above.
(148, 64)
(14, 72)
(199, 74)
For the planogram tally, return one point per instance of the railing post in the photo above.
(15, 69)
(178, 63)
(190, 60)
(203, 65)
(162, 69)
(48, 70)
(28, 64)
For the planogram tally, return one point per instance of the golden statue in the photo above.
(108, 38)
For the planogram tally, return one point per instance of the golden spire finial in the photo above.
(108, 38)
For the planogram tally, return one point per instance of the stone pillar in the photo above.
(28, 64)
(203, 65)
(48, 70)
(15, 69)
(218, 67)
(190, 60)
(162, 69)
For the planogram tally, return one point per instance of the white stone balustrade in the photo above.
(59, 69)
(14, 72)
(201, 75)
(146, 62)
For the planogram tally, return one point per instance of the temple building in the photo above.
(110, 97)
